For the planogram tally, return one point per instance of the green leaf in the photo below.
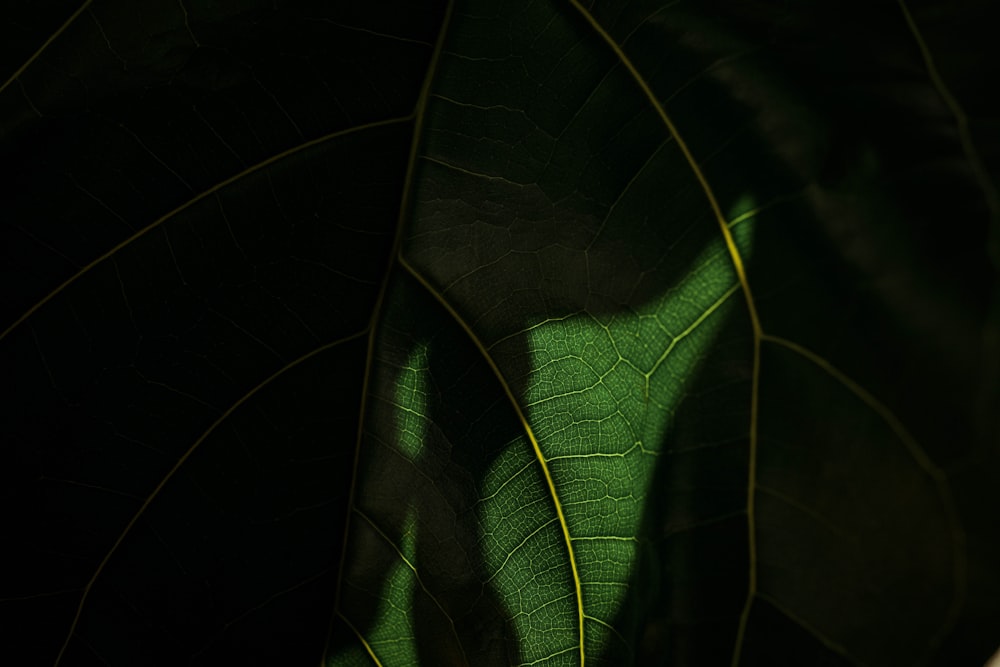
(521, 333)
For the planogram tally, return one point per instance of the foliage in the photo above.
(523, 332)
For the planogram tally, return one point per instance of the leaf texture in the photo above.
(521, 333)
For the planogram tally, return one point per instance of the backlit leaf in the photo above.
(500, 333)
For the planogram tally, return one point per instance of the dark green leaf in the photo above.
(569, 332)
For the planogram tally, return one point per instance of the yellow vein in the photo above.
(362, 410)
(413, 568)
(916, 452)
(687, 332)
(45, 45)
(517, 547)
(361, 638)
(191, 202)
(173, 470)
(543, 462)
(964, 133)
(737, 260)
(698, 173)
(418, 116)
(754, 212)
(613, 630)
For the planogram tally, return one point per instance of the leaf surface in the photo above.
(499, 333)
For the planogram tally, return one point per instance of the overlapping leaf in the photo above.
(502, 333)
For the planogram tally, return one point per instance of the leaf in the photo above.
(632, 332)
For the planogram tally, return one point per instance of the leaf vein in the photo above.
(536, 446)
(191, 202)
(173, 470)
(20, 70)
